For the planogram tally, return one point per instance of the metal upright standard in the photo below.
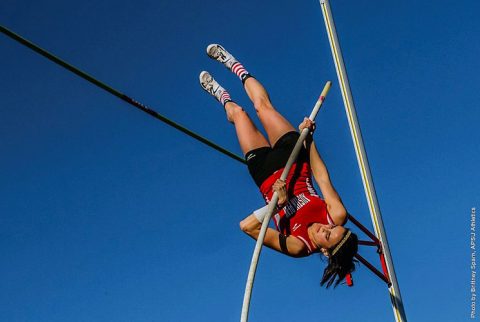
(271, 207)
(393, 288)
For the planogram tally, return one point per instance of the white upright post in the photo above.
(394, 290)
(271, 207)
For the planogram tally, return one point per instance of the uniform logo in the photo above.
(295, 204)
(251, 156)
(296, 226)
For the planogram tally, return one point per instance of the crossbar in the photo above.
(114, 92)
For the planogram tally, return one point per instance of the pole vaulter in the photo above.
(394, 290)
(374, 241)
(273, 204)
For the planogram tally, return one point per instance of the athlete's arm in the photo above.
(335, 206)
(288, 245)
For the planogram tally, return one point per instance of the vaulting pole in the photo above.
(394, 290)
(273, 203)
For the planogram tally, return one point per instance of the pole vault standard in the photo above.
(273, 203)
(394, 290)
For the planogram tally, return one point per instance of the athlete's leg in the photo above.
(248, 135)
(273, 122)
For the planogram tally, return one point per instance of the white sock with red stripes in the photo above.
(220, 54)
(240, 71)
(225, 97)
(210, 85)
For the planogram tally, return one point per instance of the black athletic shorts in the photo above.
(263, 162)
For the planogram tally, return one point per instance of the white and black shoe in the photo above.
(217, 52)
(210, 85)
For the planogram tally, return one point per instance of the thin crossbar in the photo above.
(117, 93)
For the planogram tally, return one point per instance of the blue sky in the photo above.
(110, 215)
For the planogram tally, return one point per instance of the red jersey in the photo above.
(303, 209)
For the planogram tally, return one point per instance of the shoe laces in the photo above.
(218, 53)
(208, 85)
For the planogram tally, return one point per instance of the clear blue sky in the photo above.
(107, 214)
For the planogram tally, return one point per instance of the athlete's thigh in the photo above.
(274, 123)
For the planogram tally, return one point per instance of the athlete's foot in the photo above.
(217, 52)
(211, 86)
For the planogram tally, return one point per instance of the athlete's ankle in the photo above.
(232, 110)
(239, 70)
(245, 77)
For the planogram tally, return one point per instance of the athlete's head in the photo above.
(340, 245)
(325, 236)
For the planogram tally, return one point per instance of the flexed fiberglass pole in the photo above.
(395, 297)
(271, 207)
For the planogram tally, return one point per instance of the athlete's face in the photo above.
(326, 236)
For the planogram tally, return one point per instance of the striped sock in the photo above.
(240, 71)
(211, 86)
(225, 98)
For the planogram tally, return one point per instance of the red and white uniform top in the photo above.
(301, 210)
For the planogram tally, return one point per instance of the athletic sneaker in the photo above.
(219, 53)
(215, 51)
(210, 85)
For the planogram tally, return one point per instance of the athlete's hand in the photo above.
(281, 188)
(307, 123)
